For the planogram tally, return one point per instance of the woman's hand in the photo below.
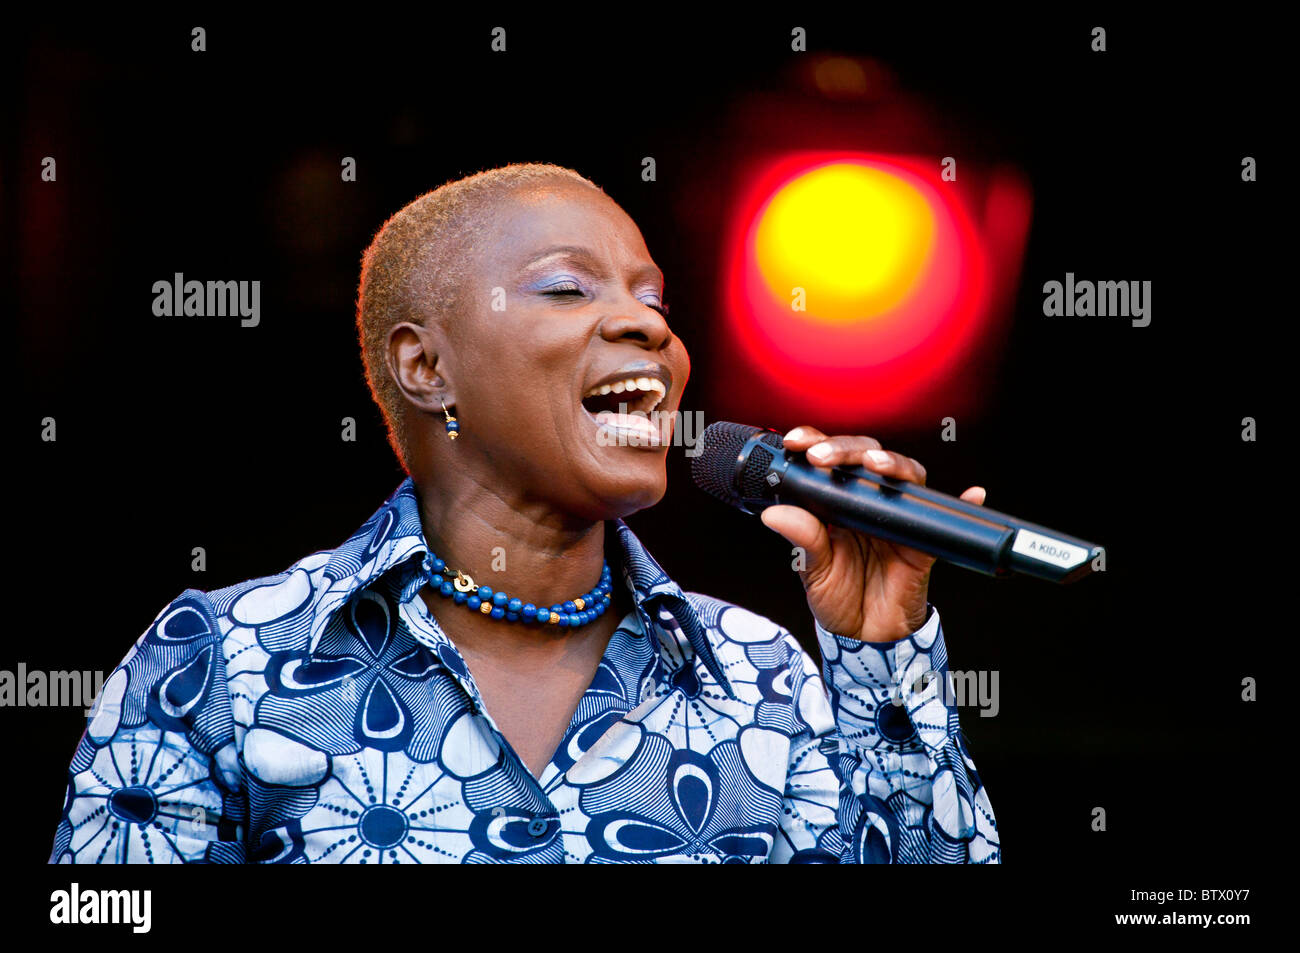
(858, 586)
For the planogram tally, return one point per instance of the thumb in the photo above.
(803, 530)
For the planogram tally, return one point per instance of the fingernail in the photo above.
(820, 450)
(878, 456)
(794, 434)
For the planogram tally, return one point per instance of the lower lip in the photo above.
(627, 430)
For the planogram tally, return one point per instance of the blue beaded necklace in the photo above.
(461, 589)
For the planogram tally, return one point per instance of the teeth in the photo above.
(630, 384)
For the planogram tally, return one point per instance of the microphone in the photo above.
(749, 468)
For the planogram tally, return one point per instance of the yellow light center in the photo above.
(855, 238)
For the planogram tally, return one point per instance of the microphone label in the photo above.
(1048, 550)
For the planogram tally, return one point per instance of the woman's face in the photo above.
(560, 303)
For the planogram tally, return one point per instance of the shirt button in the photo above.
(537, 827)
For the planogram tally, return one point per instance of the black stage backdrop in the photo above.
(1122, 692)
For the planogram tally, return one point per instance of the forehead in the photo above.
(530, 220)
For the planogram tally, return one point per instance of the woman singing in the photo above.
(493, 668)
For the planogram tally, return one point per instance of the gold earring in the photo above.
(453, 426)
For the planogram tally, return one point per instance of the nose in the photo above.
(635, 321)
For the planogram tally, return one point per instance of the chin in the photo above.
(625, 493)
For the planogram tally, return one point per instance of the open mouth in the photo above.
(626, 407)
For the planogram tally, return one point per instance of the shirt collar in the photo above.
(392, 540)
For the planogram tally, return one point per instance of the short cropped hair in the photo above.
(415, 268)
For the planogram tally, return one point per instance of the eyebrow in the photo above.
(577, 251)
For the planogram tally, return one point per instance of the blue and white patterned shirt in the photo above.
(322, 715)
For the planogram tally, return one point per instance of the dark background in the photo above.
(1122, 691)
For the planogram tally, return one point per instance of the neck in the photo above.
(528, 550)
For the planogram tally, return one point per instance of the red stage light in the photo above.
(895, 280)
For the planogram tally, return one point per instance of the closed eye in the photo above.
(567, 291)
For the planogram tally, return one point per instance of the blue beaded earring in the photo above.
(453, 426)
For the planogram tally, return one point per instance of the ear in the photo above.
(413, 360)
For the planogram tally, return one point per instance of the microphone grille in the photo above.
(752, 480)
(714, 467)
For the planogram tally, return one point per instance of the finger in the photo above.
(837, 451)
(801, 438)
(976, 495)
(803, 530)
(890, 464)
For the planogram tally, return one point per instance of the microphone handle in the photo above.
(944, 526)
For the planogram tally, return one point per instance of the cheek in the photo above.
(497, 406)
(504, 363)
(681, 357)
(528, 384)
